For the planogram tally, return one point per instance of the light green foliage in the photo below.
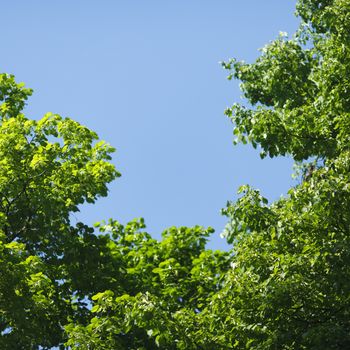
(26, 298)
(12, 95)
(48, 168)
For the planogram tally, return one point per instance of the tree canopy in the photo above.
(283, 285)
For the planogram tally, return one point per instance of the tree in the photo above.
(169, 284)
(287, 286)
(53, 270)
(48, 167)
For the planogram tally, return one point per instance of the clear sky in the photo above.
(145, 75)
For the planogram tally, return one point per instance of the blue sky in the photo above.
(145, 75)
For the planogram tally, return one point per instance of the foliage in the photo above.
(285, 283)
(169, 283)
(48, 168)
(289, 287)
